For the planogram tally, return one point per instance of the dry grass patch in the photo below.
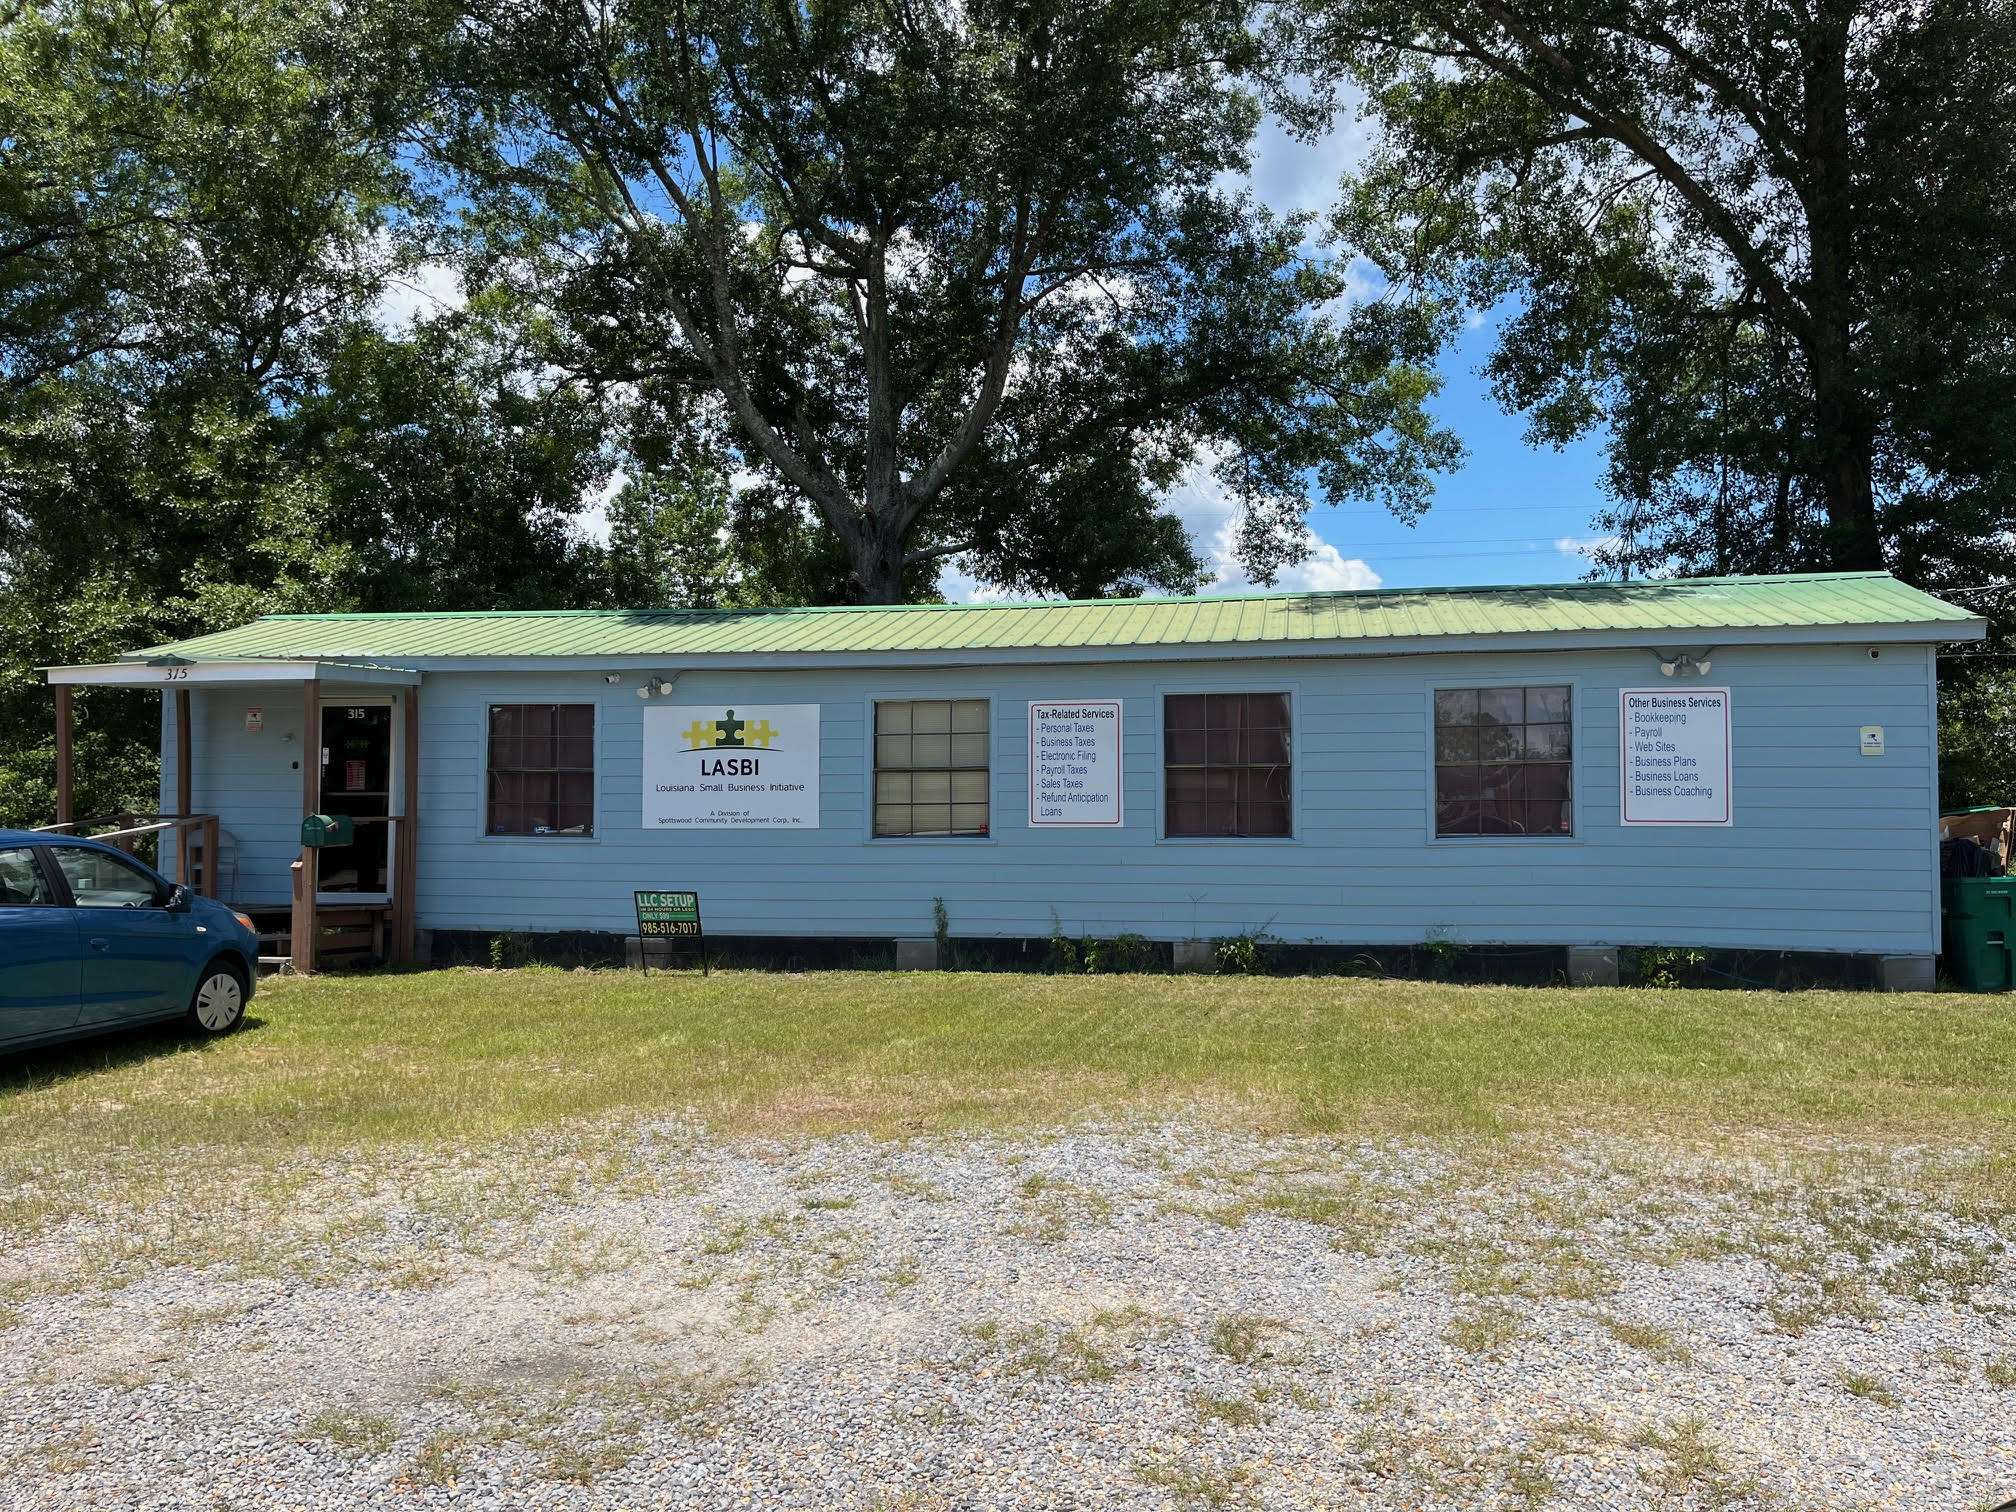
(1251, 1339)
(1647, 1338)
(1193, 1484)
(354, 1428)
(1691, 1466)
(1094, 1350)
(1488, 1330)
(1870, 1388)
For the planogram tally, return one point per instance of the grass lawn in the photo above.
(473, 1056)
(473, 1094)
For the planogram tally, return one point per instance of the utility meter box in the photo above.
(327, 829)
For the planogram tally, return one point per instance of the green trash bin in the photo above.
(1981, 932)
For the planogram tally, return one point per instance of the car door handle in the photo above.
(101, 943)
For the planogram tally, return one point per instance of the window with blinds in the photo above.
(931, 774)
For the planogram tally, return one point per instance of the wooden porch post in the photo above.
(183, 871)
(304, 926)
(406, 837)
(213, 873)
(66, 766)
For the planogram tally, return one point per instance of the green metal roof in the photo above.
(1704, 606)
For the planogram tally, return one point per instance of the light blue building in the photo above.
(1729, 764)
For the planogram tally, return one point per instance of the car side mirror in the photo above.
(178, 899)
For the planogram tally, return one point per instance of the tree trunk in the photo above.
(873, 532)
(1842, 431)
(878, 569)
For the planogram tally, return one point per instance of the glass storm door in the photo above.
(357, 780)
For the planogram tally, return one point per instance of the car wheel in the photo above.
(219, 1002)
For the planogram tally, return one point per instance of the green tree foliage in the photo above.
(448, 474)
(184, 215)
(1769, 243)
(199, 421)
(958, 280)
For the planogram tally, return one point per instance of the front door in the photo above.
(357, 780)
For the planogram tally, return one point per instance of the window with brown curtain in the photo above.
(1226, 767)
(542, 769)
(931, 774)
(1504, 762)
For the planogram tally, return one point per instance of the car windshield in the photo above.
(21, 883)
(100, 879)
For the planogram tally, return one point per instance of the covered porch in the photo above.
(249, 749)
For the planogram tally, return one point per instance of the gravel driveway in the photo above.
(1168, 1316)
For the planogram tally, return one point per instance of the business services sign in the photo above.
(753, 766)
(1676, 748)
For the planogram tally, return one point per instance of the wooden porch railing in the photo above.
(128, 827)
(306, 940)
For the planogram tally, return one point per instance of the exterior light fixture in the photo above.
(1683, 665)
(658, 687)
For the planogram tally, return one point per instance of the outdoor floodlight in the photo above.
(1683, 664)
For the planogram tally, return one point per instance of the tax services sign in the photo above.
(752, 766)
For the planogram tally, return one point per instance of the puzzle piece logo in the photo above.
(729, 733)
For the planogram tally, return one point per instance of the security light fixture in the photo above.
(658, 687)
(1683, 664)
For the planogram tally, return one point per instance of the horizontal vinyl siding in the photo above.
(1830, 850)
(248, 778)
(243, 777)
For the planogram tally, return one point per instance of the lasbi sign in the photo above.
(750, 766)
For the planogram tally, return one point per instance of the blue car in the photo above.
(91, 940)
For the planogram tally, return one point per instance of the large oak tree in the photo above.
(961, 280)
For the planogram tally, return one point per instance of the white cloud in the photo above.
(962, 588)
(1327, 570)
(429, 289)
(1212, 519)
(1289, 175)
(593, 517)
(1586, 547)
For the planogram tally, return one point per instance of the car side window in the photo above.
(99, 879)
(22, 884)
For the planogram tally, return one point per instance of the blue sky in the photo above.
(1512, 514)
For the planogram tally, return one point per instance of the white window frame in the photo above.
(930, 695)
